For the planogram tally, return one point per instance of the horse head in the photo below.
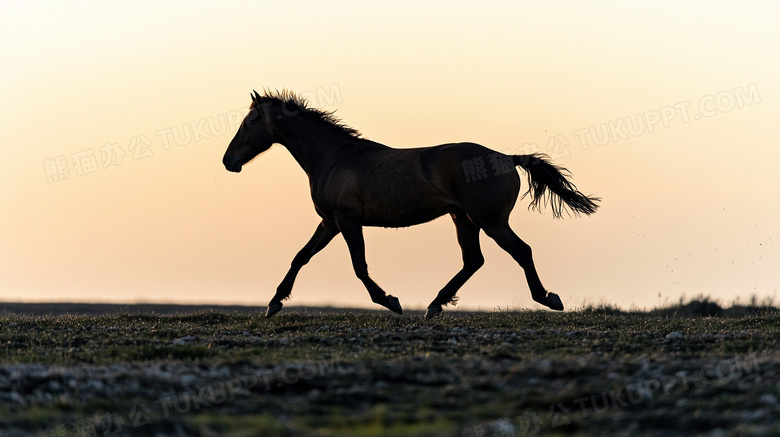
(254, 136)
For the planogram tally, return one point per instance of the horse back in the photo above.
(383, 186)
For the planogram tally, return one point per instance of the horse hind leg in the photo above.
(521, 252)
(468, 239)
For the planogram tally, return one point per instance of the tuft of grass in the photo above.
(698, 306)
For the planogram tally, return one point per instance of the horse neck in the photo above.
(313, 146)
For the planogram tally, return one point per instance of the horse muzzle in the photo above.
(233, 165)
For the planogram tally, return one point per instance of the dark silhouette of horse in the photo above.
(356, 182)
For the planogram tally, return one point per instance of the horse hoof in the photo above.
(554, 302)
(273, 308)
(394, 305)
(432, 312)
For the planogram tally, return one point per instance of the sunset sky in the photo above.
(115, 117)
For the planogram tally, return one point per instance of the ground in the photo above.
(127, 370)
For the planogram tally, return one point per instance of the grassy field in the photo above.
(693, 368)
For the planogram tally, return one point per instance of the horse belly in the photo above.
(385, 189)
(390, 208)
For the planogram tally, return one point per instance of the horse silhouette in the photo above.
(356, 182)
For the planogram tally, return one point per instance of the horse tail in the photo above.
(549, 183)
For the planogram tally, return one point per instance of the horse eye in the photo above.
(253, 114)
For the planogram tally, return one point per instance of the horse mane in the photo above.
(291, 102)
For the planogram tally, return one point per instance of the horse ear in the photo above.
(255, 96)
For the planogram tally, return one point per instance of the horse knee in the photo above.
(299, 261)
(473, 263)
(361, 271)
(525, 250)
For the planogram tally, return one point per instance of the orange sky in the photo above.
(137, 103)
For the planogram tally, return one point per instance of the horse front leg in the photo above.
(322, 236)
(353, 235)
